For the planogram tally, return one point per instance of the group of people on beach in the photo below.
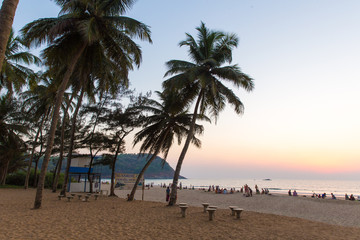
(248, 191)
(294, 193)
(351, 198)
(323, 196)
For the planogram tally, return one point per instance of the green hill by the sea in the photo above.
(129, 163)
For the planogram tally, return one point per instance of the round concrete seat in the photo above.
(232, 210)
(211, 212)
(183, 210)
(182, 204)
(215, 207)
(69, 197)
(79, 196)
(238, 212)
(205, 206)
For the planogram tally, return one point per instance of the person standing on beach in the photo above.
(167, 194)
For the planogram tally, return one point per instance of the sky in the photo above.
(301, 121)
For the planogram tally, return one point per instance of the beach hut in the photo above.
(78, 175)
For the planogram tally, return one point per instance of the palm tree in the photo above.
(12, 129)
(7, 14)
(62, 144)
(81, 24)
(13, 75)
(167, 121)
(38, 102)
(201, 80)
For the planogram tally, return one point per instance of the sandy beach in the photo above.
(115, 218)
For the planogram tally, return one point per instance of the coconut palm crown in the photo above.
(165, 121)
(13, 74)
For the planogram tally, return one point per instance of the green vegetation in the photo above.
(82, 101)
(18, 179)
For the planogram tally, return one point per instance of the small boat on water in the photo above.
(267, 179)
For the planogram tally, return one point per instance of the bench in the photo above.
(205, 205)
(69, 197)
(183, 210)
(60, 196)
(238, 212)
(232, 210)
(211, 212)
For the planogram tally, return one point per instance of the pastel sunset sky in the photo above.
(303, 118)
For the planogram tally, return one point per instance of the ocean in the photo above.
(304, 187)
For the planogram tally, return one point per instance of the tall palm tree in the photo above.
(38, 102)
(166, 121)
(81, 24)
(62, 142)
(202, 80)
(7, 14)
(13, 75)
(12, 130)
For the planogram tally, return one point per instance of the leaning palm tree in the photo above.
(81, 24)
(202, 80)
(166, 121)
(13, 74)
(7, 14)
(37, 102)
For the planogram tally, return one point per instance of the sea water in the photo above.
(282, 186)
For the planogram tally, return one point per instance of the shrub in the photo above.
(18, 178)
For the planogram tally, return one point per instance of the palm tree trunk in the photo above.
(7, 14)
(71, 146)
(55, 117)
(5, 170)
(59, 164)
(26, 185)
(173, 195)
(89, 176)
(113, 164)
(35, 172)
(141, 174)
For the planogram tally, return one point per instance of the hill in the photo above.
(130, 163)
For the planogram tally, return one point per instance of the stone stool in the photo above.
(183, 210)
(211, 212)
(205, 206)
(232, 210)
(238, 212)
